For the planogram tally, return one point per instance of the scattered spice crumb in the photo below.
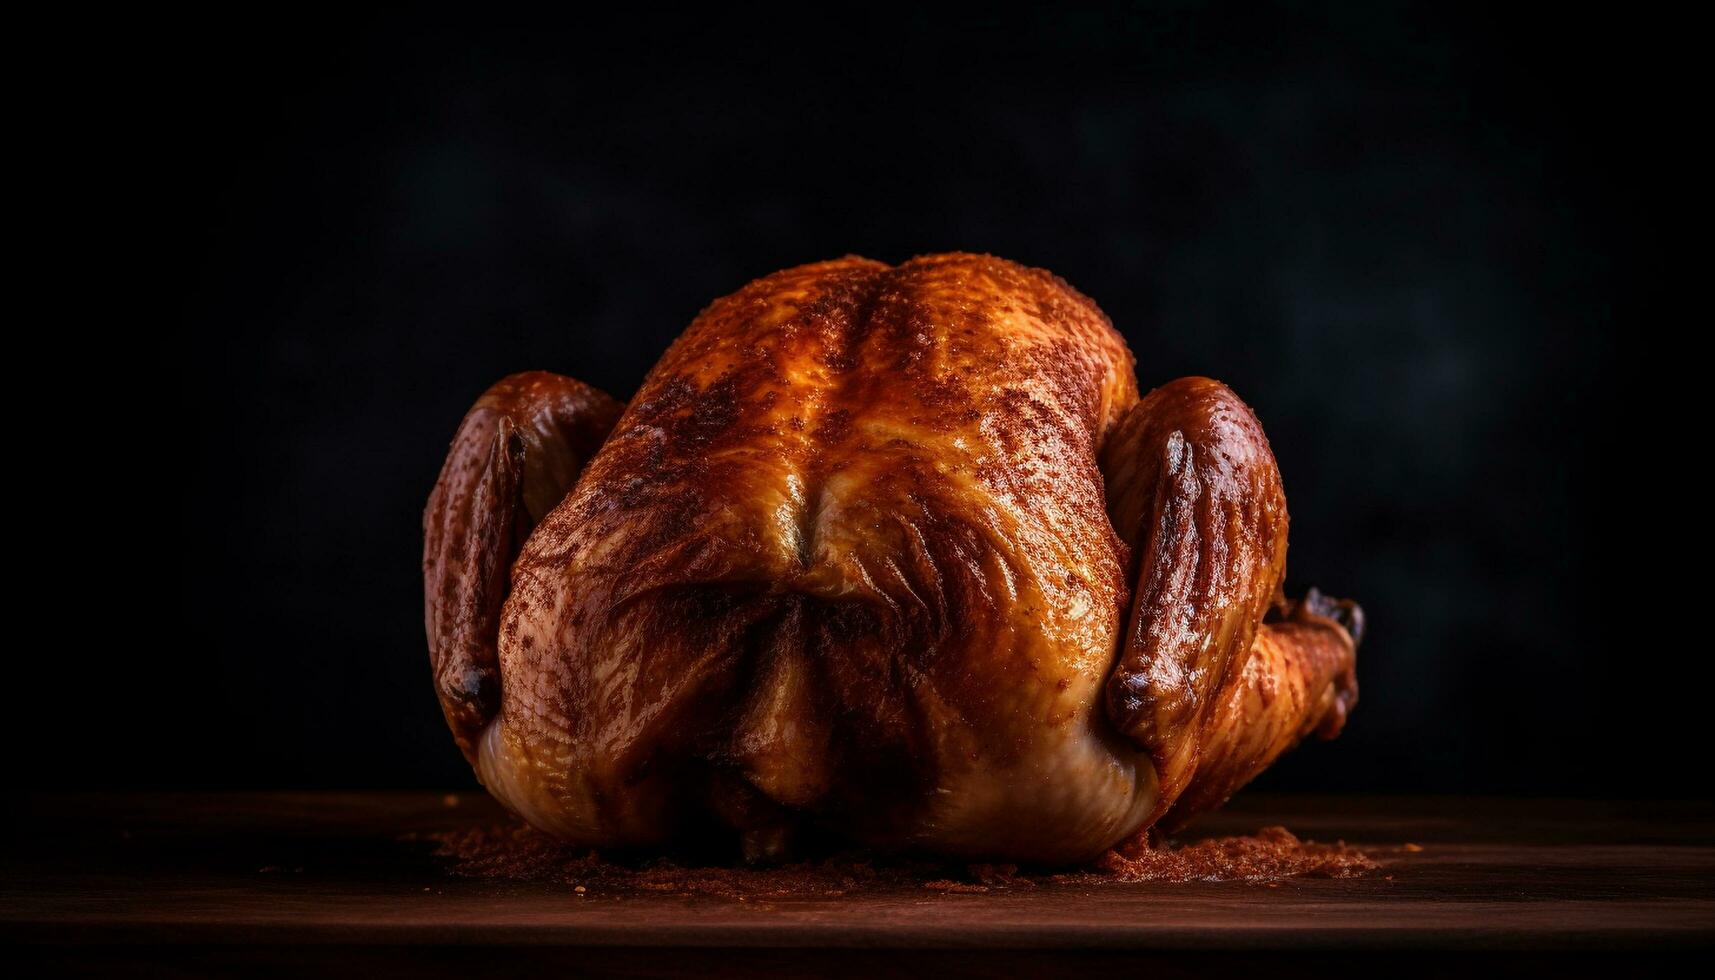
(517, 852)
(956, 887)
(1270, 854)
(1003, 875)
(450, 800)
(1413, 848)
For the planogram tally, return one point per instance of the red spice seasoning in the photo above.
(520, 853)
(1269, 855)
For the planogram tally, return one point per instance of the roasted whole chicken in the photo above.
(891, 553)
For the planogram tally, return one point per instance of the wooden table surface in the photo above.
(289, 882)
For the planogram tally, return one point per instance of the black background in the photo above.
(1424, 244)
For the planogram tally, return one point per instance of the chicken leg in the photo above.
(1200, 683)
(518, 451)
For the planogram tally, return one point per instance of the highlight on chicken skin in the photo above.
(893, 553)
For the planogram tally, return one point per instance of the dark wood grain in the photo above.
(314, 881)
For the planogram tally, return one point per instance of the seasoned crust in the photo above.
(875, 491)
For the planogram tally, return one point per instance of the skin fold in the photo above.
(894, 553)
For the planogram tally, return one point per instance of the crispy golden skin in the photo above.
(849, 558)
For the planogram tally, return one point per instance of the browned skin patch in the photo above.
(848, 557)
